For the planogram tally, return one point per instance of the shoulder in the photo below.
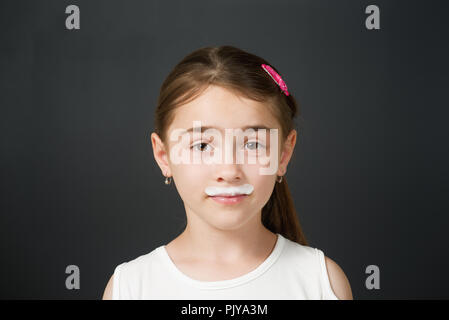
(338, 280)
(310, 260)
(140, 262)
(127, 276)
(107, 294)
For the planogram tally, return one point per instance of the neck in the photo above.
(204, 242)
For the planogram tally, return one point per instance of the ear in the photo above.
(287, 152)
(160, 154)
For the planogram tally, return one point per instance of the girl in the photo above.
(243, 239)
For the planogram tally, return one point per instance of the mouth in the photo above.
(229, 199)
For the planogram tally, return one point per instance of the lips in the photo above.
(228, 199)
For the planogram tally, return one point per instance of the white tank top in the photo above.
(291, 271)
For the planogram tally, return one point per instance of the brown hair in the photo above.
(241, 72)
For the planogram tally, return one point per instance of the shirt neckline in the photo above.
(260, 269)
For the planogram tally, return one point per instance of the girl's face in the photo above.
(222, 109)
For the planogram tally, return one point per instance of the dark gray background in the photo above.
(79, 184)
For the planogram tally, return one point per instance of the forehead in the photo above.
(222, 108)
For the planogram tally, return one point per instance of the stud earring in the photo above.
(168, 180)
(279, 179)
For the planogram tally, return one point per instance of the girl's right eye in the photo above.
(199, 144)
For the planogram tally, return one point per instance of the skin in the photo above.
(223, 241)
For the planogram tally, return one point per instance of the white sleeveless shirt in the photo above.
(291, 271)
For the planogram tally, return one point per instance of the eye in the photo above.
(255, 143)
(199, 144)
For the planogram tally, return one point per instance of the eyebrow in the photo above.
(203, 128)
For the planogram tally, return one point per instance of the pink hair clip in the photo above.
(276, 77)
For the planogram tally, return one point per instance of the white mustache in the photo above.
(230, 191)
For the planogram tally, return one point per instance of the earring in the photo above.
(168, 180)
(279, 179)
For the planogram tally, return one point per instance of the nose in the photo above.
(230, 173)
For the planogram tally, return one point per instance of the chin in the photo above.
(227, 220)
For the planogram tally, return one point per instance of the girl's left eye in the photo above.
(254, 143)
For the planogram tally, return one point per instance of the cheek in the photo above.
(265, 187)
(263, 184)
(189, 171)
(190, 179)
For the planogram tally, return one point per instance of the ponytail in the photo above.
(279, 215)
